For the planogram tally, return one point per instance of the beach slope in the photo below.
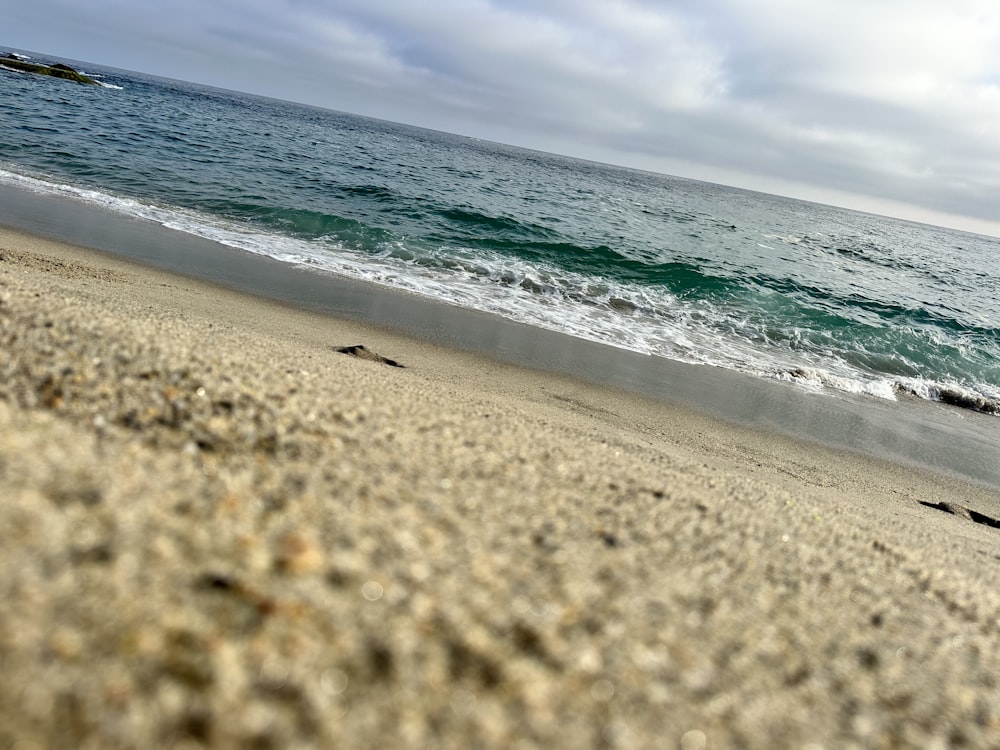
(218, 528)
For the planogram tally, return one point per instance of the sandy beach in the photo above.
(219, 530)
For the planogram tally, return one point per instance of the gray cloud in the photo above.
(892, 100)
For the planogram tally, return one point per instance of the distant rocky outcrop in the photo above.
(56, 71)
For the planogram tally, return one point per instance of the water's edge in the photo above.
(922, 434)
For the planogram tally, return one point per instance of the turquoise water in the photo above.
(826, 298)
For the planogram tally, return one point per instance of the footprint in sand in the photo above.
(960, 510)
(361, 352)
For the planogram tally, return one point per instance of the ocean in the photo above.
(827, 299)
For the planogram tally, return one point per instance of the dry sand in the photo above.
(216, 529)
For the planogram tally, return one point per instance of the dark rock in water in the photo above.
(56, 71)
(360, 352)
(956, 397)
(622, 305)
(972, 401)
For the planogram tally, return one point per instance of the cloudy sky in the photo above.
(891, 106)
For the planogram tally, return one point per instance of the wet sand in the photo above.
(914, 432)
(217, 529)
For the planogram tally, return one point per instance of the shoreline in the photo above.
(921, 434)
(220, 530)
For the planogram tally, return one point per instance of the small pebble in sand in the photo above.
(298, 553)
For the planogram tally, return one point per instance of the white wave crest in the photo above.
(638, 318)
